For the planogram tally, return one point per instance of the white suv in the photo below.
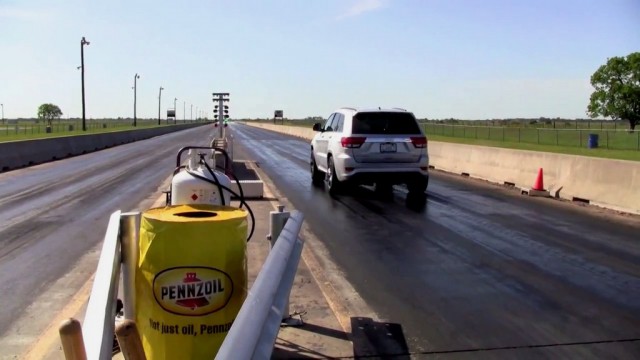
(384, 147)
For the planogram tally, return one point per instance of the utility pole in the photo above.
(135, 90)
(83, 42)
(175, 112)
(221, 111)
(159, 102)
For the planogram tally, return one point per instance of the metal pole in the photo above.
(129, 234)
(184, 110)
(135, 90)
(2, 112)
(191, 112)
(579, 138)
(83, 42)
(159, 102)
(175, 111)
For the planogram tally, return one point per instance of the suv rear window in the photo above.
(380, 123)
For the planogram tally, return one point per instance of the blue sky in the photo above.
(469, 59)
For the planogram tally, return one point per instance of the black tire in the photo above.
(333, 184)
(416, 201)
(418, 186)
(317, 176)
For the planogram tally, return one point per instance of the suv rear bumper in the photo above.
(394, 173)
(395, 178)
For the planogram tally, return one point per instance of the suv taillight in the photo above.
(352, 142)
(419, 141)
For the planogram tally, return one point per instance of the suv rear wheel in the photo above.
(416, 201)
(333, 184)
(418, 186)
(417, 196)
(317, 176)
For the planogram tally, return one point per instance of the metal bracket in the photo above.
(292, 321)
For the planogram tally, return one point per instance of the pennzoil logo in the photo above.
(192, 291)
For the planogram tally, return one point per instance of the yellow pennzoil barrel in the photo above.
(191, 279)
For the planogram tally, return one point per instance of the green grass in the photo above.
(30, 130)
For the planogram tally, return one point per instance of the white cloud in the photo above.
(362, 6)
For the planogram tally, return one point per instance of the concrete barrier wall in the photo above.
(608, 183)
(16, 154)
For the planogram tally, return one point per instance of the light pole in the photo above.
(83, 42)
(191, 112)
(159, 102)
(184, 110)
(2, 112)
(175, 111)
(135, 85)
(196, 113)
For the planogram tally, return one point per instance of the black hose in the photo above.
(177, 170)
(235, 178)
(242, 200)
(215, 178)
(215, 182)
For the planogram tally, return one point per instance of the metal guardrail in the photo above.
(255, 329)
(118, 253)
(99, 318)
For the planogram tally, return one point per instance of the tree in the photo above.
(49, 112)
(617, 90)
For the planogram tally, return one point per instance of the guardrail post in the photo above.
(277, 221)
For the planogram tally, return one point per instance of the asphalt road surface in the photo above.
(480, 272)
(53, 214)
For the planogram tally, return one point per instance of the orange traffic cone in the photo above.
(539, 184)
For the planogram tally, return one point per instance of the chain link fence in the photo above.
(608, 139)
(12, 128)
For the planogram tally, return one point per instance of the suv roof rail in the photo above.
(397, 108)
(349, 108)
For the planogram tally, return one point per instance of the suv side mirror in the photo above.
(317, 127)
